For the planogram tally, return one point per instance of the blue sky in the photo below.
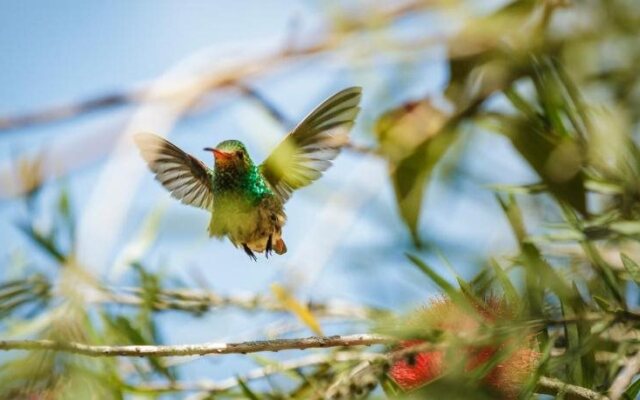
(79, 48)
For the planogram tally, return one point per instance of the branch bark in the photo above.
(545, 385)
(210, 386)
(571, 392)
(629, 371)
(199, 301)
(195, 349)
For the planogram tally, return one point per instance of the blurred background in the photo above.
(80, 214)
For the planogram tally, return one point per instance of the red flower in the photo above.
(415, 371)
(506, 378)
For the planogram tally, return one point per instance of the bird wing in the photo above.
(307, 151)
(184, 176)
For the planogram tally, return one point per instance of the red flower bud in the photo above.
(505, 379)
(416, 370)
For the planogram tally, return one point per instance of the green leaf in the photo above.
(588, 355)
(437, 279)
(629, 228)
(575, 107)
(603, 304)
(605, 272)
(557, 161)
(533, 188)
(539, 133)
(572, 343)
(481, 283)
(549, 96)
(510, 292)
(45, 243)
(64, 206)
(35, 291)
(632, 391)
(389, 387)
(539, 273)
(603, 187)
(561, 235)
(413, 139)
(478, 65)
(632, 268)
(465, 288)
(448, 288)
(249, 394)
(522, 105)
(411, 176)
(513, 214)
(578, 342)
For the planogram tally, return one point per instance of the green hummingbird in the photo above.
(246, 200)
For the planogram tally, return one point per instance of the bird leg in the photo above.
(249, 252)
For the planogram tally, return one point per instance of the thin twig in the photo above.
(195, 349)
(273, 111)
(629, 371)
(554, 387)
(63, 111)
(203, 300)
(258, 373)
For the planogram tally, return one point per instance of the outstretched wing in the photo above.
(308, 150)
(184, 176)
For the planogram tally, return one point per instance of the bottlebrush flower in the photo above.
(505, 379)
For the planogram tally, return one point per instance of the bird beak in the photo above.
(218, 154)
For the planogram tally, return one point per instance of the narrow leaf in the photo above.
(510, 292)
(632, 268)
(413, 139)
(448, 288)
(297, 308)
(437, 279)
(45, 243)
(632, 391)
(246, 390)
(603, 303)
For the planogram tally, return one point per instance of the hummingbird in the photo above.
(246, 201)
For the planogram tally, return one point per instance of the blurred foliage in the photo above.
(558, 80)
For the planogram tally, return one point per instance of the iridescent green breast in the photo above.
(244, 207)
(247, 185)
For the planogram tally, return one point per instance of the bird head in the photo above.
(230, 155)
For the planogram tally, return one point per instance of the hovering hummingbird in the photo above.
(247, 200)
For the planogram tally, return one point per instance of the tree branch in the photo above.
(210, 386)
(195, 349)
(572, 392)
(629, 371)
(545, 385)
(199, 301)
